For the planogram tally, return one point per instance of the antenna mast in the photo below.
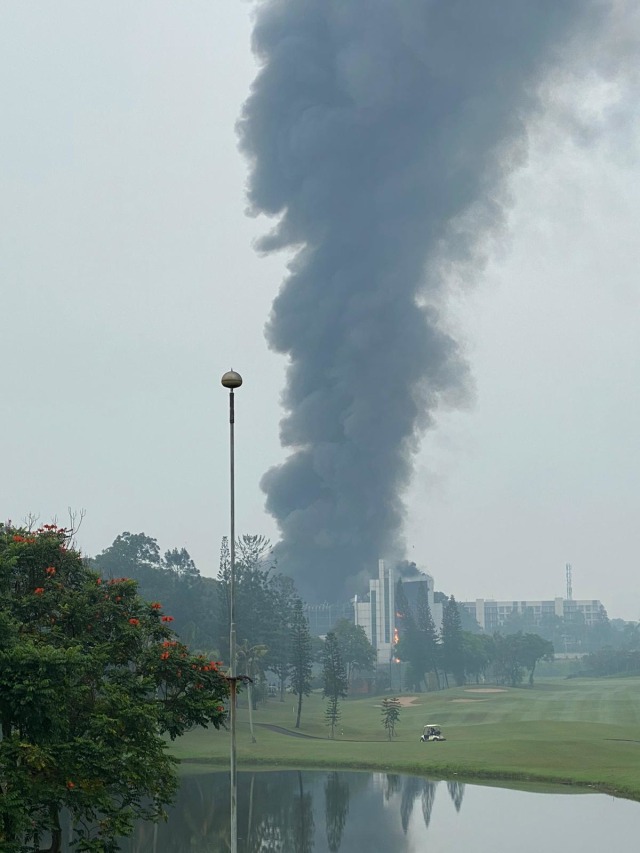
(569, 587)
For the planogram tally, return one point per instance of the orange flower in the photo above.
(167, 618)
(98, 581)
(134, 621)
(50, 570)
(39, 590)
(156, 605)
(70, 784)
(164, 656)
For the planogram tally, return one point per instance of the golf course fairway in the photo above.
(583, 732)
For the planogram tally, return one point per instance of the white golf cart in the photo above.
(431, 734)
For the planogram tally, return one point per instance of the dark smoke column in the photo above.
(372, 126)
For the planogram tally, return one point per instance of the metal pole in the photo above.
(232, 632)
(232, 380)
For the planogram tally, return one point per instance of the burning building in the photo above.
(376, 612)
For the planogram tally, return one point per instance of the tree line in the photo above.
(272, 630)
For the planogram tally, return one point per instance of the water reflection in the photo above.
(313, 812)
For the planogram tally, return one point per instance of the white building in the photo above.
(376, 613)
(491, 615)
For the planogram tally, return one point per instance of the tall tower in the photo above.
(569, 587)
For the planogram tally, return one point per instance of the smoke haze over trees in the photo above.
(380, 134)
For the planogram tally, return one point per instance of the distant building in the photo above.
(376, 613)
(492, 615)
(323, 617)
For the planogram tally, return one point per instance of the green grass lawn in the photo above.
(580, 731)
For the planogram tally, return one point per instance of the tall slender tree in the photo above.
(301, 656)
(429, 634)
(278, 639)
(390, 715)
(452, 646)
(335, 683)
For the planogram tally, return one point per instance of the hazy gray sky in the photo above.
(130, 284)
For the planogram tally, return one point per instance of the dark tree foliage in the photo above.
(517, 653)
(532, 648)
(301, 656)
(452, 647)
(429, 634)
(418, 644)
(173, 579)
(410, 646)
(334, 678)
(478, 652)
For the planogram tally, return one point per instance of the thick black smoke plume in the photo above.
(372, 128)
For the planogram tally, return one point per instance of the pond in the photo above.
(325, 812)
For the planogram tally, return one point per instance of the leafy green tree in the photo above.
(478, 652)
(531, 649)
(507, 664)
(515, 653)
(334, 677)
(452, 649)
(91, 679)
(355, 649)
(390, 715)
(173, 579)
(301, 656)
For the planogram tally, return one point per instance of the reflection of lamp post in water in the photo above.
(232, 380)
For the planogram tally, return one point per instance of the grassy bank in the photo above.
(580, 732)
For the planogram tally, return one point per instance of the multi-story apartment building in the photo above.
(492, 615)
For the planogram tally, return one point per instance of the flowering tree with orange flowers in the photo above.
(91, 680)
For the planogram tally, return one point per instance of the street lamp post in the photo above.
(232, 380)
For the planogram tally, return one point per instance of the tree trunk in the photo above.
(250, 697)
(299, 710)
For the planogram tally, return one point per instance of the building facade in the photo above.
(492, 615)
